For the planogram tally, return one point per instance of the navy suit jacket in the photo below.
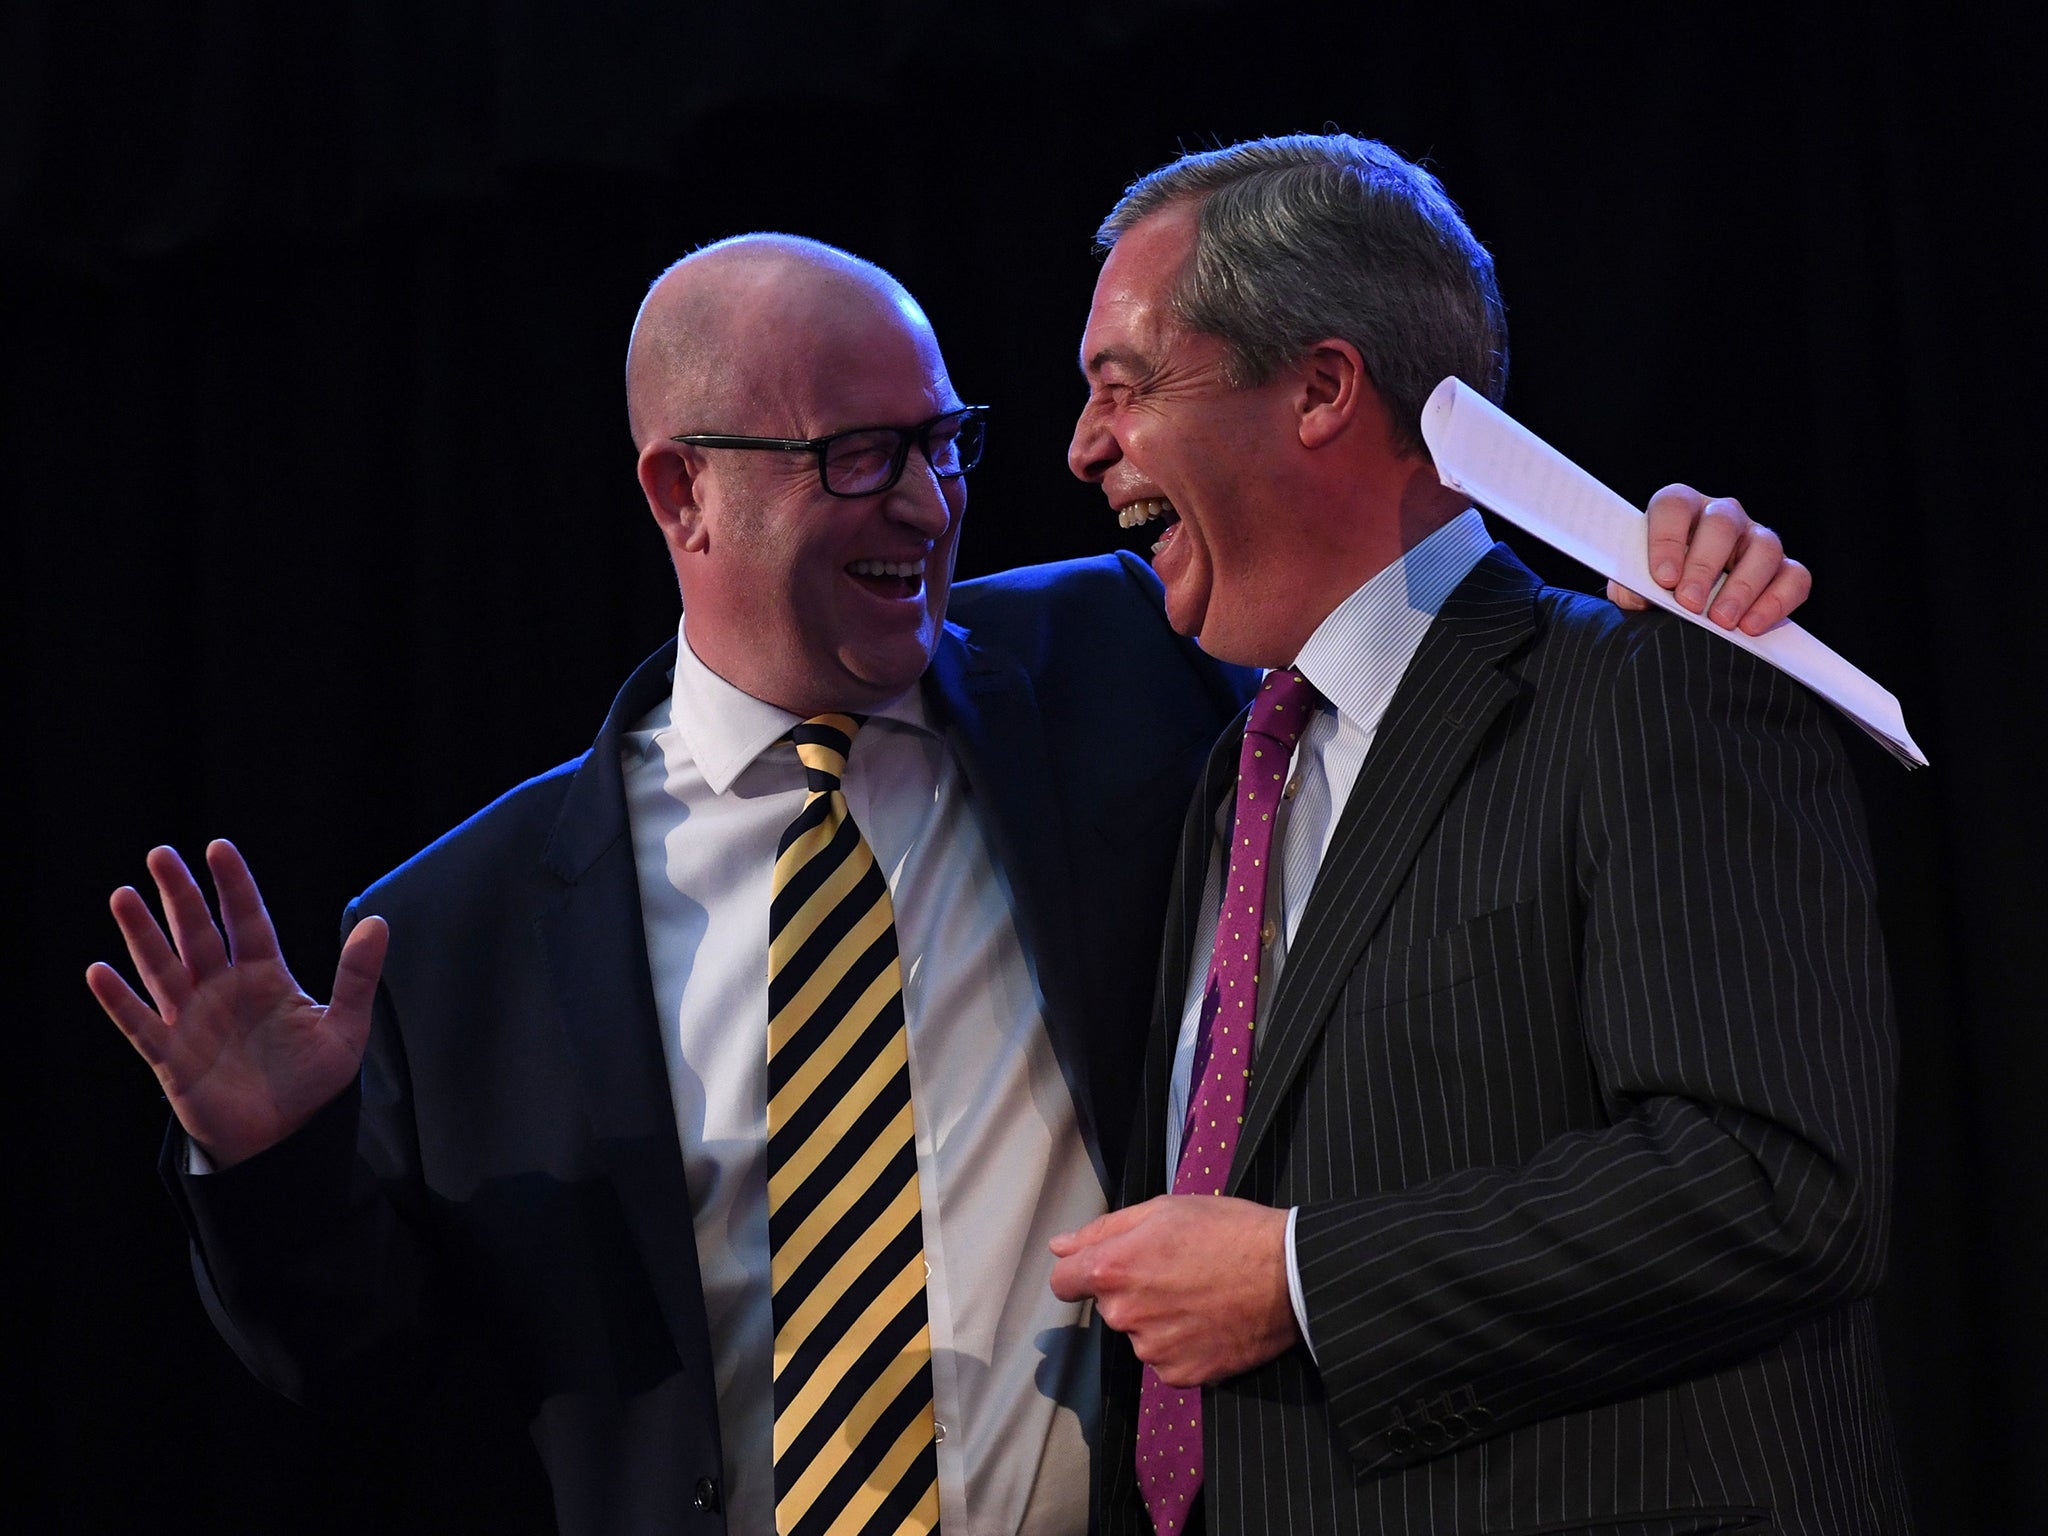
(1580, 1074)
(510, 1170)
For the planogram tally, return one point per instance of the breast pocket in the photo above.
(1448, 1047)
(1452, 958)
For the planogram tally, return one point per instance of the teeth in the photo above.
(887, 567)
(1141, 512)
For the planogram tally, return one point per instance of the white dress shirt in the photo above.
(1356, 659)
(1001, 1166)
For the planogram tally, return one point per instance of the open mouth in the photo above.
(889, 578)
(1148, 509)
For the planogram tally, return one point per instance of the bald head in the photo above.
(724, 333)
(808, 599)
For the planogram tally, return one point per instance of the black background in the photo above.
(321, 526)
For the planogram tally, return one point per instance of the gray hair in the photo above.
(1319, 235)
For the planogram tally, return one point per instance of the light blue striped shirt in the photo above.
(1356, 659)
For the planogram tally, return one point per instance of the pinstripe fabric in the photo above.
(1580, 1071)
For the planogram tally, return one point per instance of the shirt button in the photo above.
(1293, 787)
(1267, 932)
(938, 1433)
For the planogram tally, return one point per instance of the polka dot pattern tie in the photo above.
(1170, 1418)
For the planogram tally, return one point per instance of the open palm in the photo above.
(243, 1053)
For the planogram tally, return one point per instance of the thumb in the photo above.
(356, 976)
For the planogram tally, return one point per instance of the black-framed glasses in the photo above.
(865, 461)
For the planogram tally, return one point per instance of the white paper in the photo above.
(1486, 454)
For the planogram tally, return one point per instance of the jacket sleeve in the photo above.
(304, 1260)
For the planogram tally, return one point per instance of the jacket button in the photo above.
(1477, 1418)
(1400, 1439)
(706, 1496)
(1431, 1434)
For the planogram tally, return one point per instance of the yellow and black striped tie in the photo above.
(854, 1449)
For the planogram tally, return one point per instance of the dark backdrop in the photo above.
(321, 526)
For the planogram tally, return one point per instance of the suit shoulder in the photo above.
(504, 839)
(1104, 612)
(1638, 636)
(1630, 659)
(1593, 620)
(1062, 586)
(1597, 635)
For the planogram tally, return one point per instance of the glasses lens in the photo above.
(953, 444)
(861, 463)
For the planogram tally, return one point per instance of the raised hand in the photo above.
(1694, 538)
(243, 1054)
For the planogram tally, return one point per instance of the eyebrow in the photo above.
(1107, 355)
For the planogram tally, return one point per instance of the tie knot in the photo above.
(822, 743)
(1282, 706)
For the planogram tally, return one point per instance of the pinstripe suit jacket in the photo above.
(1580, 1072)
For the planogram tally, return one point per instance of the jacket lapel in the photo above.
(1181, 949)
(1183, 946)
(596, 949)
(1448, 698)
(984, 701)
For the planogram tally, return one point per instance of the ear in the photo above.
(1332, 391)
(669, 475)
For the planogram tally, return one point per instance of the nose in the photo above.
(919, 499)
(1094, 447)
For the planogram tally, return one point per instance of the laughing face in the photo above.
(810, 601)
(1178, 448)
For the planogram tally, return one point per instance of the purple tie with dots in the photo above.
(1170, 1418)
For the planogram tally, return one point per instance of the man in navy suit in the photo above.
(1559, 1185)
(532, 1113)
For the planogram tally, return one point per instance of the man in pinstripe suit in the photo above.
(1561, 1185)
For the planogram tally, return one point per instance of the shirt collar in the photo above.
(724, 729)
(1357, 655)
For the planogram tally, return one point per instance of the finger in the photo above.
(1757, 559)
(162, 972)
(1073, 1279)
(1176, 1372)
(1100, 1229)
(1788, 589)
(250, 934)
(1166, 1348)
(185, 910)
(1080, 1271)
(361, 964)
(131, 1015)
(1623, 598)
(1721, 526)
(1671, 514)
(1786, 592)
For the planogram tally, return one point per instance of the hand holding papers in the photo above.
(1504, 467)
